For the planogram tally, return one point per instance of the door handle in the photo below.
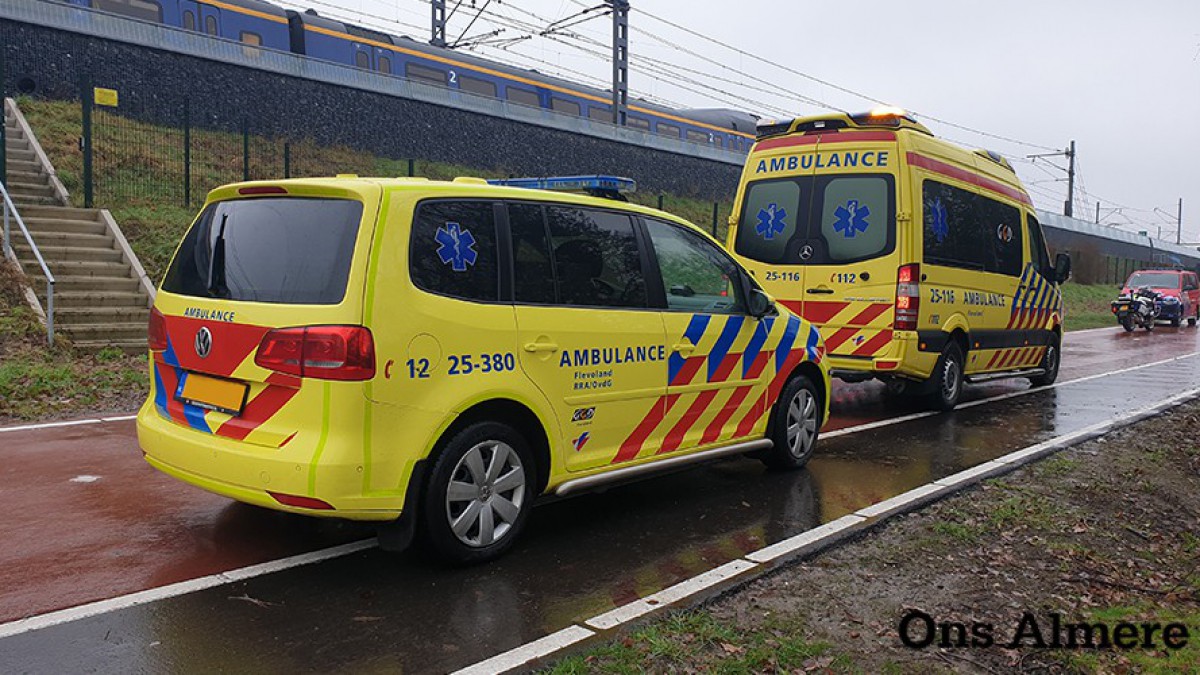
(684, 348)
(820, 291)
(534, 347)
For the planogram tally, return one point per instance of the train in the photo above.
(264, 25)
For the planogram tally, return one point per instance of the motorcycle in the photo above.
(1139, 307)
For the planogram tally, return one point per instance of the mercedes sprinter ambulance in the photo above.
(921, 262)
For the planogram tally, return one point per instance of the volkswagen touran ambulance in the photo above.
(922, 263)
(439, 354)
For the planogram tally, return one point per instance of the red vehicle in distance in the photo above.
(1181, 285)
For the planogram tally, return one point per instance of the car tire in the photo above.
(1176, 321)
(1192, 320)
(479, 494)
(1050, 363)
(947, 380)
(795, 424)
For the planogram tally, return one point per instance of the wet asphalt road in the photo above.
(372, 611)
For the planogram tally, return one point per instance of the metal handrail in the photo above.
(8, 251)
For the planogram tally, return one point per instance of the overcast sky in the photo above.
(1121, 80)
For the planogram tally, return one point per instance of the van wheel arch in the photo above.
(814, 374)
(514, 414)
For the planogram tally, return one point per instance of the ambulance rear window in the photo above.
(822, 220)
(278, 250)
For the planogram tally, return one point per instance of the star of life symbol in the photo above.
(941, 225)
(851, 219)
(770, 221)
(457, 246)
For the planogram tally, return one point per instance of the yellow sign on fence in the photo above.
(106, 97)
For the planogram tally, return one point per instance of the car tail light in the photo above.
(300, 501)
(323, 352)
(908, 297)
(156, 332)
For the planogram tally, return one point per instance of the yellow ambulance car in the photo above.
(921, 262)
(439, 354)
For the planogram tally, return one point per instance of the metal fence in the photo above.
(180, 156)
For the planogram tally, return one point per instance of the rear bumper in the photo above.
(902, 358)
(249, 473)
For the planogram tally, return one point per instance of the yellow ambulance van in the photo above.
(436, 355)
(922, 263)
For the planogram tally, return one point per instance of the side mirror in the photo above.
(760, 304)
(1062, 268)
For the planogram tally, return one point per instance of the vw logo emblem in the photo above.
(203, 342)
(806, 252)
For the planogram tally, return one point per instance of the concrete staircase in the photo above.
(102, 296)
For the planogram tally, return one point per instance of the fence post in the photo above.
(660, 202)
(245, 149)
(287, 159)
(187, 152)
(85, 143)
(412, 168)
(716, 214)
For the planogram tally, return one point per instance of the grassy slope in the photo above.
(39, 381)
(1088, 306)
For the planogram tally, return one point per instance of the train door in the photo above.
(362, 57)
(189, 16)
(209, 19)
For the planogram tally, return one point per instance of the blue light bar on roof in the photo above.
(599, 185)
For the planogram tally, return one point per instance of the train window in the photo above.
(146, 10)
(477, 85)
(415, 71)
(600, 113)
(362, 60)
(637, 123)
(189, 21)
(252, 40)
(385, 65)
(367, 33)
(671, 130)
(697, 136)
(719, 141)
(210, 25)
(562, 105)
(522, 96)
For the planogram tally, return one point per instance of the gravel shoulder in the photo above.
(1102, 533)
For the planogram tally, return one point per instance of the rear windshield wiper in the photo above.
(216, 266)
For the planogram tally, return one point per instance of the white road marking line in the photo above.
(51, 425)
(528, 652)
(1069, 333)
(181, 588)
(85, 479)
(70, 423)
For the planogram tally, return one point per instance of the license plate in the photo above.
(1122, 308)
(212, 393)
